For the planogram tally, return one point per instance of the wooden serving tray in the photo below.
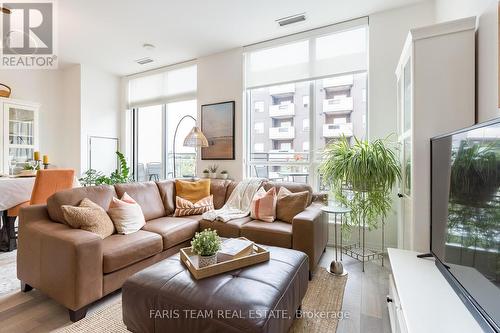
(260, 254)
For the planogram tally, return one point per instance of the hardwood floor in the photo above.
(364, 303)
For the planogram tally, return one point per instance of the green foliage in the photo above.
(362, 177)
(223, 172)
(206, 243)
(206, 171)
(213, 168)
(119, 176)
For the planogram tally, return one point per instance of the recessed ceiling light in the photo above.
(148, 46)
(291, 19)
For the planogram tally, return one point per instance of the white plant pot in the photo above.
(213, 175)
(223, 175)
(206, 175)
(204, 261)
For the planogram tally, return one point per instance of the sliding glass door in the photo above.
(153, 134)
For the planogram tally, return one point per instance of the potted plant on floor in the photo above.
(223, 174)
(206, 173)
(213, 170)
(362, 176)
(206, 244)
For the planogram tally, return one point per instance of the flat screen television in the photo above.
(465, 217)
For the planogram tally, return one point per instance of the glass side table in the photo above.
(336, 267)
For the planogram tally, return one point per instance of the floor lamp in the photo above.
(194, 139)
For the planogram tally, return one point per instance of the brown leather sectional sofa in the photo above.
(76, 267)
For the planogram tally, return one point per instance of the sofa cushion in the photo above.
(167, 193)
(278, 233)
(146, 195)
(120, 251)
(193, 191)
(100, 195)
(230, 188)
(126, 214)
(290, 204)
(218, 188)
(89, 216)
(225, 229)
(173, 230)
(292, 187)
(185, 207)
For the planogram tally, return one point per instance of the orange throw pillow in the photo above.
(192, 191)
(185, 207)
(264, 205)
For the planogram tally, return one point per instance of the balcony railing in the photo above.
(282, 110)
(281, 133)
(336, 130)
(338, 105)
(338, 81)
(282, 89)
(278, 154)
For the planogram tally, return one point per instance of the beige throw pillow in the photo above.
(290, 204)
(126, 214)
(89, 216)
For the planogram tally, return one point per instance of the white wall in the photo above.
(76, 101)
(220, 79)
(100, 108)
(486, 48)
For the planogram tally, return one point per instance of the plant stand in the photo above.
(359, 251)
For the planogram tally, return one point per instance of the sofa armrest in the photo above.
(64, 263)
(310, 233)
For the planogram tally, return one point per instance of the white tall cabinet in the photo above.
(19, 133)
(436, 94)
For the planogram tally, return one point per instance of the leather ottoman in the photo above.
(260, 298)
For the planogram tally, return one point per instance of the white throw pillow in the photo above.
(126, 214)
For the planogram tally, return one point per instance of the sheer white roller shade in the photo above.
(332, 50)
(162, 87)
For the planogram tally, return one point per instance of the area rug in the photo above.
(321, 309)
(8, 274)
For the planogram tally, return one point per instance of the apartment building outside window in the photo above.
(157, 102)
(298, 106)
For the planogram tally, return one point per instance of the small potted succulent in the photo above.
(206, 173)
(223, 174)
(213, 171)
(206, 244)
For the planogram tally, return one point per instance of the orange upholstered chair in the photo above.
(47, 182)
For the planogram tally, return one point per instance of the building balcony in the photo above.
(282, 110)
(336, 130)
(338, 105)
(278, 154)
(282, 89)
(338, 81)
(281, 133)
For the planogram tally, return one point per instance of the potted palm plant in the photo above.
(206, 244)
(362, 176)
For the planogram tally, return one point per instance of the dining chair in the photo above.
(47, 182)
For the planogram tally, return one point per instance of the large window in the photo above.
(158, 102)
(313, 95)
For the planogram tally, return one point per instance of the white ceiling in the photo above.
(110, 33)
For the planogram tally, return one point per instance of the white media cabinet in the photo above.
(420, 299)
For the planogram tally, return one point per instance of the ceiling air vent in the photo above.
(291, 19)
(144, 61)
